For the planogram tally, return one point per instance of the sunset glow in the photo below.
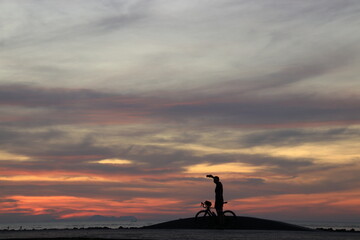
(114, 161)
(121, 108)
(203, 169)
(5, 156)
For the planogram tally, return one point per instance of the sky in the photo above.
(120, 108)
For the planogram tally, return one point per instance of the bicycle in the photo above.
(207, 214)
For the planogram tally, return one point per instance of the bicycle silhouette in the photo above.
(206, 214)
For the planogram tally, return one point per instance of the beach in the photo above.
(183, 234)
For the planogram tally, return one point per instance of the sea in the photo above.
(327, 225)
(142, 223)
(77, 225)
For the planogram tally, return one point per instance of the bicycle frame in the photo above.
(207, 209)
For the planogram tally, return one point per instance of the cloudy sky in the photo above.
(122, 107)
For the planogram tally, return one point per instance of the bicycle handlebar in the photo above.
(204, 205)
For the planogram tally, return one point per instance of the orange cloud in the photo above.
(19, 175)
(70, 206)
(314, 204)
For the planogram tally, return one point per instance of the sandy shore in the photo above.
(180, 234)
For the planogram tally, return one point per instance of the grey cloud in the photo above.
(322, 11)
(37, 29)
(135, 12)
(33, 96)
(303, 70)
(177, 160)
(281, 110)
(287, 167)
(250, 181)
(87, 189)
(326, 182)
(291, 75)
(116, 191)
(9, 136)
(54, 106)
(295, 137)
(51, 143)
(30, 95)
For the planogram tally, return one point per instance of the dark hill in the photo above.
(249, 223)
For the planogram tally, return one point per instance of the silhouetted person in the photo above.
(219, 199)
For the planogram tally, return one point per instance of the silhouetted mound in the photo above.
(248, 223)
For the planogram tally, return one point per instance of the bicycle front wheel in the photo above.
(202, 213)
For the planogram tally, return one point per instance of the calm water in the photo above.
(334, 225)
(126, 224)
(71, 225)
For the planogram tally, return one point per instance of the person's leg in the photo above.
(220, 214)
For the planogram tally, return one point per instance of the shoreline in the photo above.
(149, 227)
(239, 228)
(234, 223)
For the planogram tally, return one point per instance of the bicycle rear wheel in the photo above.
(229, 213)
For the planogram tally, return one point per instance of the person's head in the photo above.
(216, 179)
